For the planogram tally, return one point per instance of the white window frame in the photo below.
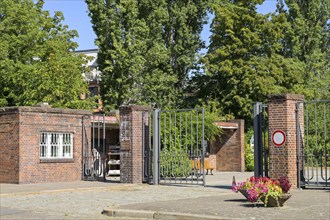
(56, 145)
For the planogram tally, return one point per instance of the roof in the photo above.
(88, 51)
(227, 125)
(107, 119)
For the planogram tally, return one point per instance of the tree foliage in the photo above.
(316, 140)
(242, 64)
(146, 48)
(252, 55)
(37, 62)
(307, 38)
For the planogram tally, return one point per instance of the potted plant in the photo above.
(243, 187)
(271, 192)
(278, 199)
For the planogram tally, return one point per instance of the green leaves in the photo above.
(146, 49)
(308, 41)
(253, 55)
(37, 61)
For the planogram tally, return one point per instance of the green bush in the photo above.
(249, 155)
(249, 158)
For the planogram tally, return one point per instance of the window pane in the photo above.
(59, 145)
(43, 145)
(66, 145)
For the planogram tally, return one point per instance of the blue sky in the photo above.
(76, 17)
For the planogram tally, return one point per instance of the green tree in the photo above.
(146, 48)
(243, 64)
(307, 38)
(37, 59)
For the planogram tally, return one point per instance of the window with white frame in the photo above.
(56, 145)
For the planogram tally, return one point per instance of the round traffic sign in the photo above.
(278, 138)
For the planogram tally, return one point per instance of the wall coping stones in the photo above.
(44, 109)
(227, 124)
(135, 108)
(287, 96)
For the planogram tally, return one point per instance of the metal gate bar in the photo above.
(179, 147)
(260, 128)
(94, 158)
(313, 145)
(146, 150)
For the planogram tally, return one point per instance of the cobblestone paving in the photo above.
(86, 200)
(88, 203)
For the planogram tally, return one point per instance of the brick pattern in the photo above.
(282, 115)
(126, 167)
(131, 149)
(32, 121)
(136, 146)
(212, 160)
(227, 152)
(125, 148)
(9, 148)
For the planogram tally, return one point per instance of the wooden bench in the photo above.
(207, 166)
(196, 165)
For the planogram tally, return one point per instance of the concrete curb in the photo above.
(142, 214)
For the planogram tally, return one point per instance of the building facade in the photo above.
(41, 144)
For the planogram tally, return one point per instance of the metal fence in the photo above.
(313, 144)
(94, 150)
(261, 150)
(178, 147)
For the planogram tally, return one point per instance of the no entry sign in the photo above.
(278, 138)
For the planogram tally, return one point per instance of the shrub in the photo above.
(285, 184)
(249, 158)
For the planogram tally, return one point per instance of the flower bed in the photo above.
(271, 192)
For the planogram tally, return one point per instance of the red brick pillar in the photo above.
(282, 116)
(131, 142)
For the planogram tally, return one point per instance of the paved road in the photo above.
(86, 200)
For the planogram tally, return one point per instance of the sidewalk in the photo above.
(302, 205)
(87, 200)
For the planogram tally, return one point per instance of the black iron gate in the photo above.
(178, 148)
(313, 143)
(94, 149)
(261, 150)
(146, 148)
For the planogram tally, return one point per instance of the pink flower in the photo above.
(258, 187)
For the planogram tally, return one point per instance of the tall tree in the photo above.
(37, 59)
(146, 48)
(308, 40)
(243, 64)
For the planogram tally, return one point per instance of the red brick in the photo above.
(20, 129)
(282, 160)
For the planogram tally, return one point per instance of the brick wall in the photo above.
(227, 152)
(282, 115)
(131, 137)
(125, 145)
(9, 147)
(32, 121)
